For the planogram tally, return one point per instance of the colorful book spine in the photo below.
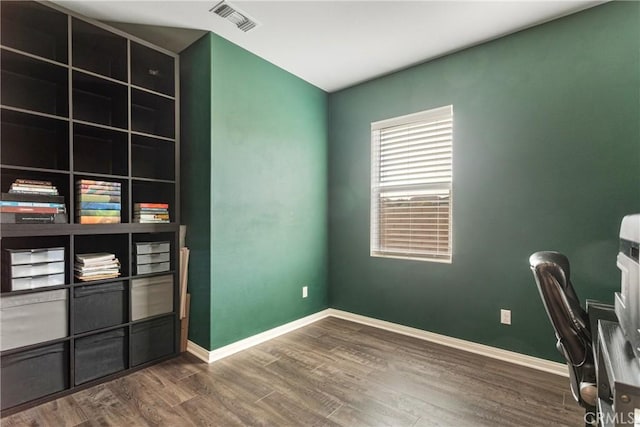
(99, 183)
(98, 191)
(153, 216)
(32, 218)
(98, 212)
(33, 186)
(99, 219)
(33, 190)
(150, 210)
(100, 187)
(151, 205)
(100, 198)
(33, 182)
(28, 209)
(31, 204)
(98, 206)
(45, 198)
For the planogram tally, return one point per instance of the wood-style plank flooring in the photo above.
(330, 373)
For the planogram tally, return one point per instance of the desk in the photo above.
(617, 376)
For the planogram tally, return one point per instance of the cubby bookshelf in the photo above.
(83, 101)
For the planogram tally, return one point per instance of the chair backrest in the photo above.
(570, 322)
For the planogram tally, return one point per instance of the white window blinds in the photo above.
(411, 179)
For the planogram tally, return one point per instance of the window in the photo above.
(411, 179)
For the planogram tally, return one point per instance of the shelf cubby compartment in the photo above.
(39, 243)
(99, 51)
(99, 101)
(82, 101)
(152, 114)
(151, 248)
(33, 318)
(152, 339)
(99, 150)
(154, 192)
(150, 158)
(151, 69)
(59, 180)
(31, 84)
(99, 306)
(34, 141)
(35, 29)
(106, 197)
(99, 355)
(34, 373)
(117, 244)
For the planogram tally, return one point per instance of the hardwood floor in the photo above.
(330, 373)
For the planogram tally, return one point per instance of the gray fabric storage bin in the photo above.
(152, 340)
(151, 296)
(33, 318)
(99, 355)
(99, 306)
(33, 373)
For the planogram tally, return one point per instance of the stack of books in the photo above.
(32, 202)
(98, 202)
(150, 212)
(96, 266)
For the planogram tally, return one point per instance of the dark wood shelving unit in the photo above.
(99, 51)
(81, 100)
(34, 84)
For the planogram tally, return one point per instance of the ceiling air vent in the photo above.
(233, 14)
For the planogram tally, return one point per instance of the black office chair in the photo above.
(570, 322)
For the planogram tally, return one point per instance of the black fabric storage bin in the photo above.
(151, 340)
(99, 306)
(33, 373)
(99, 355)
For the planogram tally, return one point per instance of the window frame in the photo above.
(437, 189)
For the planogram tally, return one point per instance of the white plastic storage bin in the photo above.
(33, 318)
(156, 267)
(32, 268)
(143, 248)
(22, 283)
(151, 296)
(152, 258)
(28, 270)
(31, 256)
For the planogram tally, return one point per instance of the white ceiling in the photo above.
(334, 44)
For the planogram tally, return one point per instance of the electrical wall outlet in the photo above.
(505, 317)
(305, 292)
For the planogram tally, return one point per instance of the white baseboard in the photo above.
(472, 347)
(228, 350)
(199, 352)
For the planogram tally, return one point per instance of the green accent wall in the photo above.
(195, 202)
(265, 158)
(546, 157)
